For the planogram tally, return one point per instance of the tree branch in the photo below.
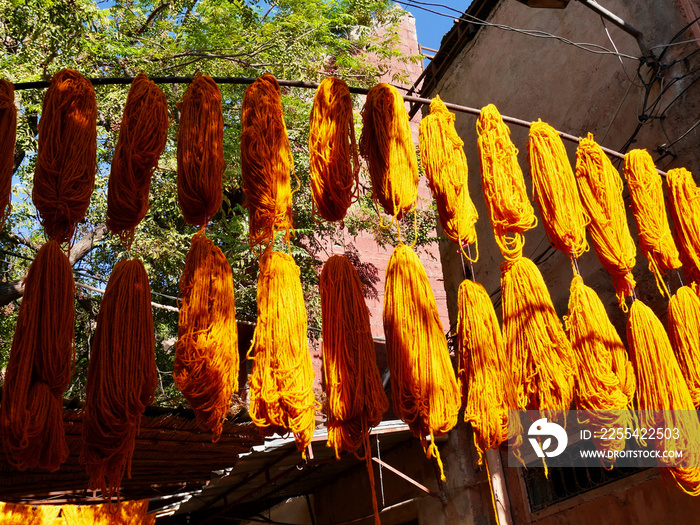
(12, 290)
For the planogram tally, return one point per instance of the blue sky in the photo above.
(431, 26)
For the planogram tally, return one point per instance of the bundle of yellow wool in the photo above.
(483, 374)
(8, 133)
(655, 239)
(424, 389)
(142, 136)
(554, 187)
(445, 166)
(17, 514)
(600, 186)
(266, 161)
(206, 353)
(510, 211)
(684, 334)
(122, 377)
(40, 364)
(386, 144)
(685, 210)
(200, 151)
(333, 163)
(281, 395)
(133, 512)
(661, 388)
(66, 160)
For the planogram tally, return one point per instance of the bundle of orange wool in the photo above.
(8, 133)
(424, 389)
(387, 146)
(685, 210)
(142, 136)
(121, 378)
(445, 166)
(281, 384)
(200, 151)
(266, 161)
(333, 163)
(206, 353)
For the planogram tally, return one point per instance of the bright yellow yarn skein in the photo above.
(386, 144)
(685, 211)
(684, 334)
(333, 162)
(445, 166)
(600, 186)
(655, 239)
(502, 180)
(281, 384)
(424, 389)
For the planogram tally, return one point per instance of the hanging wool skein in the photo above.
(265, 162)
(142, 136)
(424, 389)
(334, 166)
(540, 356)
(684, 333)
(206, 353)
(200, 151)
(685, 205)
(445, 166)
(8, 133)
(387, 146)
(42, 354)
(122, 377)
(281, 394)
(600, 187)
(356, 398)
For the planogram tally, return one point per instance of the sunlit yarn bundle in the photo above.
(17, 514)
(684, 203)
(445, 166)
(600, 186)
(655, 239)
(424, 389)
(684, 334)
(142, 136)
(386, 144)
(40, 365)
(133, 512)
(661, 388)
(66, 160)
(281, 395)
(541, 362)
(206, 353)
(483, 373)
(266, 161)
(510, 210)
(8, 133)
(121, 379)
(200, 151)
(333, 162)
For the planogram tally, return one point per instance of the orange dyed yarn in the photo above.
(386, 144)
(502, 180)
(655, 239)
(16, 514)
(206, 354)
(423, 385)
(684, 334)
(64, 175)
(266, 161)
(483, 373)
(554, 187)
(684, 203)
(661, 387)
(601, 186)
(542, 362)
(125, 513)
(445, 166)
(142, 136)
(8, 133)
(200, 151)
(281, 394)
(334, 166)
(121, 378)
(40, 365)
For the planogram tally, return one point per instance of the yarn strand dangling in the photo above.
(8, 134)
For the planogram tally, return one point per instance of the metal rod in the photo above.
(381, 477)
(407, 478)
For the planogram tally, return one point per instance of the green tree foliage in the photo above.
(292, 39)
